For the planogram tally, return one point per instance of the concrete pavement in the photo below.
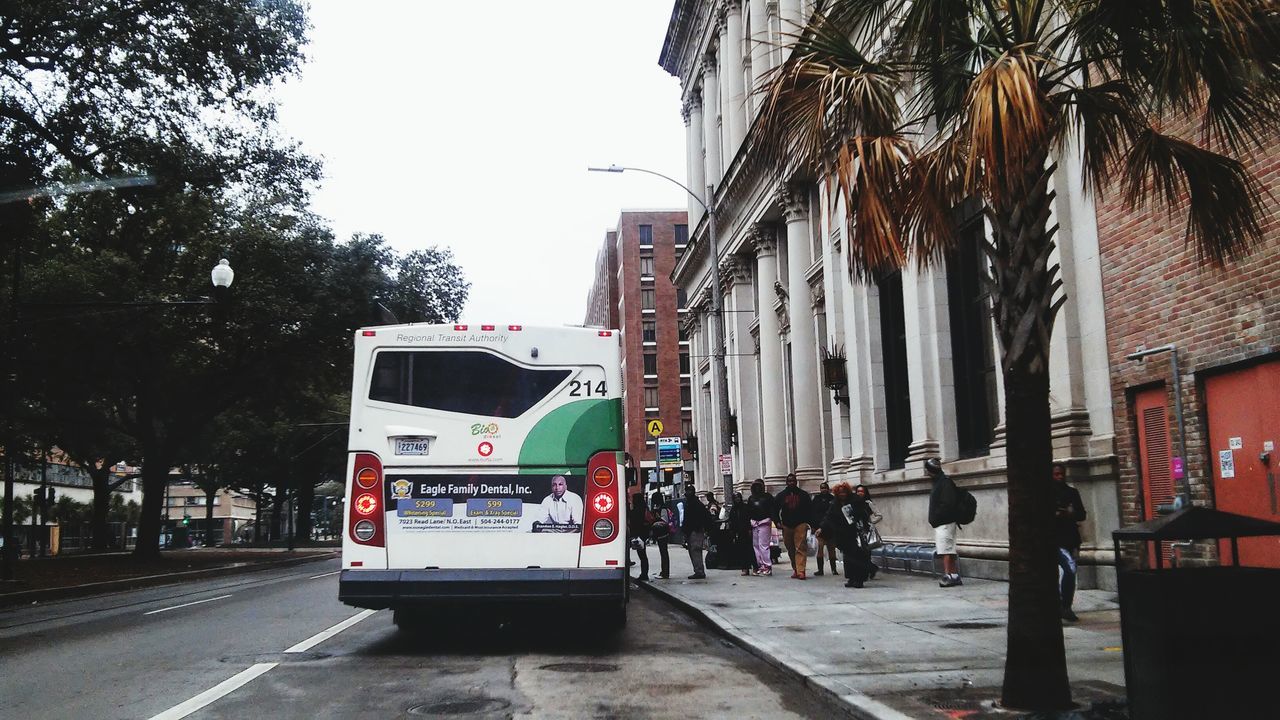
(897, 648)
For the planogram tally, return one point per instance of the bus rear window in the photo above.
(470, 382)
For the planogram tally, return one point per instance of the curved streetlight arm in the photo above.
(673, 181)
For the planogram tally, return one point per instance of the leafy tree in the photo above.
(89, 80)
(427, 287)
(994, 91)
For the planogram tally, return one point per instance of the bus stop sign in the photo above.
(669, 455)
(655, 428)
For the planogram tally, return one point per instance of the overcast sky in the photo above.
(471, 125)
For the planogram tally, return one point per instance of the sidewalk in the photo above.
(901, 647)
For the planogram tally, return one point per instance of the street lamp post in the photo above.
(718, 370)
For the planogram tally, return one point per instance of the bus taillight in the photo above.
(602, 512)
(515, 327)
(367, 516)
(459, 327)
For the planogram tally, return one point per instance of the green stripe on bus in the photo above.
(568, 435)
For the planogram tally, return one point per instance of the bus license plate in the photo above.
(413, 446)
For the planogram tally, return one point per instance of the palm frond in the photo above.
(1105, 119)
(868, 174)
(1008, 123)
(933, 187)
(1223, 199)
(826, 90)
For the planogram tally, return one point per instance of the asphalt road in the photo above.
(279, 645)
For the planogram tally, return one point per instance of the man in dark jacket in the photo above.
(638, 526)
(1069, 511)
(820, 505)
(944, 509)
(695, 524)
(795, 510)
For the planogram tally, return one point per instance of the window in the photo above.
(650, 329)
(651, 397)
(646, 235)
(646, 266)
(686, 396)
(682, 299)
(684, 333)
(646, 298)
(650, 364)
(897, 391)
(682, 235)
(684, 363)
(466, 381)
(972, 345)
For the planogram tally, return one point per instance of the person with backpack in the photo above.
(741, 554)
(660, 531)
(947, 509)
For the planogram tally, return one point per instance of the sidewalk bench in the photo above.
(914, 557)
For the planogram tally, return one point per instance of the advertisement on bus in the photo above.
(517, 503)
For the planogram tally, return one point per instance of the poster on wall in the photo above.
(1226, 464)
(493, 503)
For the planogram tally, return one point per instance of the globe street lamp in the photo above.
(718, 370)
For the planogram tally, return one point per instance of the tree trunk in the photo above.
(277, 511)
(1035, 674)
(209, 496)
(155, 476)
(101, 477)
(305, 497)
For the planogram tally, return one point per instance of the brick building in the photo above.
(1224, 324)
(633, 292)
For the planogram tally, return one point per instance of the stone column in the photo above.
(929, 366)
(735, 277)
(773, 410)
(711, 120)
(696, 159)
(734, 111)
(759, 43)
(792, 22)
(805, 383)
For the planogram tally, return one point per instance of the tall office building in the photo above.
(633, 292)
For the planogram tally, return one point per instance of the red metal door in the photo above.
(1154, 455)
(1244, 421)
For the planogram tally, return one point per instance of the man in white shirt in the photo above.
(561, 506)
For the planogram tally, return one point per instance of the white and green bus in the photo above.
(485, 463)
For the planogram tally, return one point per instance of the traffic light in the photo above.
(186, 520)
(48, 495)
(38, 493)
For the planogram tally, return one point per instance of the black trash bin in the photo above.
(1200, 642)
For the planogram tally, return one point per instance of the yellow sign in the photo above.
(655, 428)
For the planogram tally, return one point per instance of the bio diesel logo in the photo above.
(487, 430)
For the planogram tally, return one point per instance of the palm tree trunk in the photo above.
(1035, 675)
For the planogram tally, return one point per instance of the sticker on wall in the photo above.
(1235, 443)
(1269, 446)
(1226, 464)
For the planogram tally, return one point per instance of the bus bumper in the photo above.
(378, 589)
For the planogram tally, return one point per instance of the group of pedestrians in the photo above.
(839, 519)
(842, 517)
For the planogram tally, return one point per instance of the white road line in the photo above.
(320, 637)
(175, 607)
(226, 687)
(335, 572)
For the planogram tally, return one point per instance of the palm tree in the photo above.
(907, 108)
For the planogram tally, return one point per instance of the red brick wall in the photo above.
(1157, 292)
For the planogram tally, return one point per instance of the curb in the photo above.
(112, 586)
(855, 704)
